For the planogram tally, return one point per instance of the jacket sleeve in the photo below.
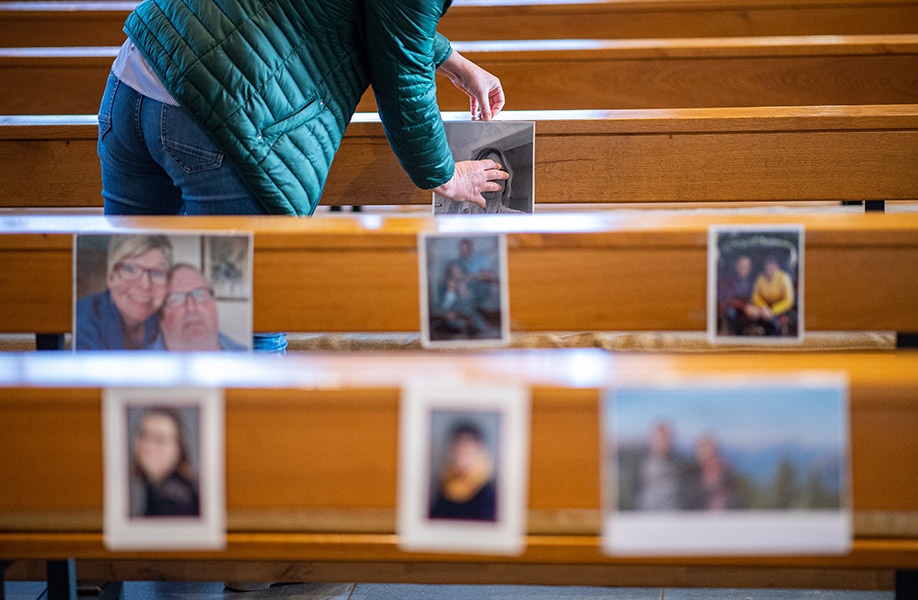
(404, 52)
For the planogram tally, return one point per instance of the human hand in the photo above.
(470, 179)
(486, 96)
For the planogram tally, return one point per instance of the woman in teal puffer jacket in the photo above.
(238, 106)
(274, 83)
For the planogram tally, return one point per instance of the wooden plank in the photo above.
(318, 275)
(556, 554)
(814, 154)
(574, 74)
(518, 19)
(40, 23)
(99, 23)
(272, 411)
(622, 575)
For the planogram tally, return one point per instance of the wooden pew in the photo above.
(517, 19)
(642, 271)
(331, 516)
(39, 23)
(574, 74)
(99, 23)
(816, 153)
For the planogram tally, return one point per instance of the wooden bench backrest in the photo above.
(815, 153)
(99, 23)
(313, 460)
(573, 272)
(574, 74)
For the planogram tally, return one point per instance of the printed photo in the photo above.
(755, 284)
(179, 292)
(511, 144)
(463, 470)
(464, 292)
(727, 465)
(463, 467)
(163, 462)
(164, 474)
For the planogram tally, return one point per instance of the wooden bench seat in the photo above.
(637, 272)
(815, 154)
(574, 74)
(330, 517)
(99, 23)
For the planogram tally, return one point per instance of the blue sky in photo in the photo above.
(741, 416)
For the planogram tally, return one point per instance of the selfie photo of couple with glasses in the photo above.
(152, 295)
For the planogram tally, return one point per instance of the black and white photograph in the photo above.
(463, 467)
(755, 284)
(165, 291)
(464, 292)
(511, 144)
(732, 465)
(164, 468)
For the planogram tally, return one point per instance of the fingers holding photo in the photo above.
(470, 179)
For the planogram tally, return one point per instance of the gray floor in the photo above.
(150, 590)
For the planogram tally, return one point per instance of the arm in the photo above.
(787, 298)
(757, 298)
(404, 50)
(486, 97)
(485, 93)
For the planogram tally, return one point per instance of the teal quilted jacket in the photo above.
(276, 82)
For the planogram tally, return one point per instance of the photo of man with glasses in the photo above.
(189, 315)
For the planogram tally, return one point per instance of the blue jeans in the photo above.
(156, 160)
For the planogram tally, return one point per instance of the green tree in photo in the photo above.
(784, 485)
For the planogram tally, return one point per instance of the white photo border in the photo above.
(206, 532)
(424, 285)
(714, 232)
(746, 532)
(416, 532)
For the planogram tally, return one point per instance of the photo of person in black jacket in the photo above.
(163, 481)
(467, 488)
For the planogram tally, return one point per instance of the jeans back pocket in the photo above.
(187, 142)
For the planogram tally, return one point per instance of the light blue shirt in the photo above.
(134, 71)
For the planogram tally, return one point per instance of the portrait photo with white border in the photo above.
(465, 298)
(463, 467)
(727, 465)
(164, 468)
(755, 284)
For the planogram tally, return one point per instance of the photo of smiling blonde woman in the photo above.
(125, 315)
